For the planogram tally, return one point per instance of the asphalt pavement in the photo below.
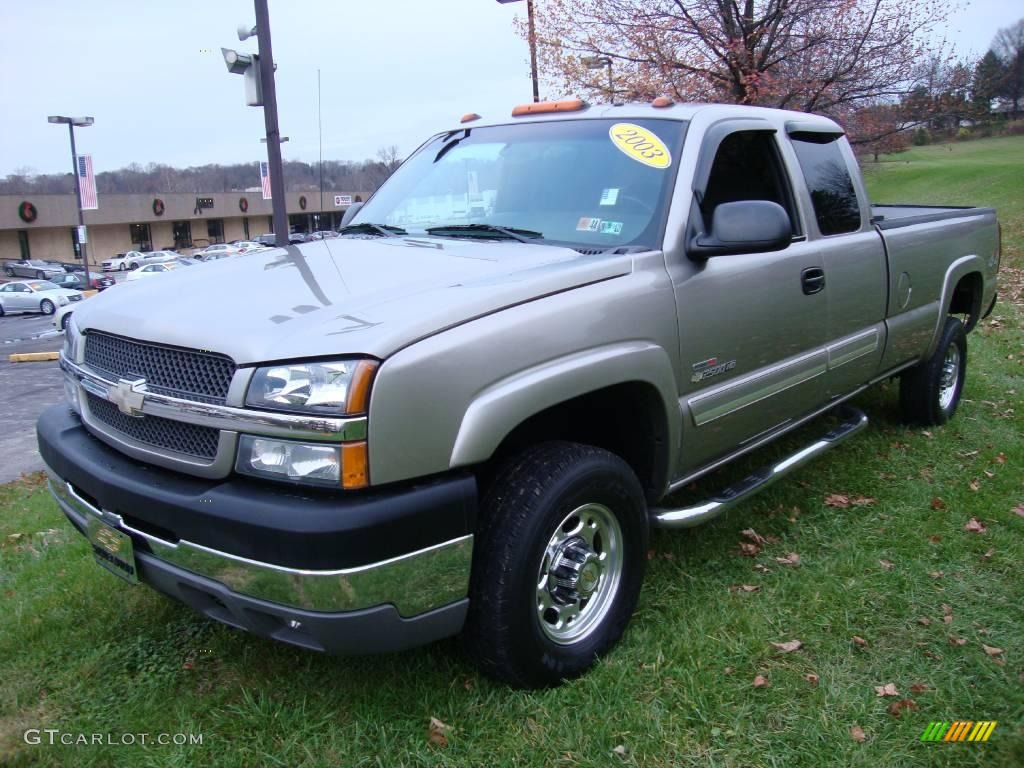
(25, 390)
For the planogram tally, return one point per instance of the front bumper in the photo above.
(340, 572)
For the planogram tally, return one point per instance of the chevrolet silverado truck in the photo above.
(465, 414)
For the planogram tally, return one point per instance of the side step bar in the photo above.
(853, 421)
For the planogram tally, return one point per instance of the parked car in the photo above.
(245, 246)
(121, 262)
(151, 270)
(70, 280)
(219, 249)
(325, 234)
(268, 240)
(443, 424)
(35, 296)
(97, 281)
(41, 270)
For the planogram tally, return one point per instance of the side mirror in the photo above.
(350, 213)
(745, 226)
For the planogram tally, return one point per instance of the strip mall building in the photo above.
(42, 226)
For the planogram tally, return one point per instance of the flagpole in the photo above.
(78, 199)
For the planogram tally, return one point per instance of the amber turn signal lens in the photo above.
(355, 469)
(568, 105)
(359, 391)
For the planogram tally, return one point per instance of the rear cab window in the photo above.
(835, 202)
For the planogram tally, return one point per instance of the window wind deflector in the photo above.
(815, 133)
(366, 228)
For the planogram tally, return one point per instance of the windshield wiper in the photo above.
(508, 233)
(366, 228)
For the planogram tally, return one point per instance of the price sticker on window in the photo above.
(640, 144)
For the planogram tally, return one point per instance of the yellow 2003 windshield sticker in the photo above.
(640, 144)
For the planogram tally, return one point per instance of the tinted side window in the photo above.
(828, 180)
(747, 166)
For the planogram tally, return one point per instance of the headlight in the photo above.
(335, 388)
(62, 300)
(328, 464)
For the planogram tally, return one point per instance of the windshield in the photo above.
(43, 285)
(585, 183)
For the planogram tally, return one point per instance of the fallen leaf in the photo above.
(927, 434)
(887, 564)
(956, 641)
(761, 682)
(436, 732)
(650, 554)
(988, 554)
(924, 622)
(936, 574)
(935, 539)
(1019, 510)
(812, 678)
(791, 559)
(1000, 458)
(837, 500)
(729, 670)
(862, 501)
(947, 613)
(857, 734)
(744, 588)
(189, 664)
(974, 525)
(988, 474)
(753, 535)
(938, 503)
(749, 550)
(762, 568)
(991, 651)
(974, 485)
(789, 647)
(889, 689)
(620, 750)
(897, 707)
(858, 640)
(918, 688)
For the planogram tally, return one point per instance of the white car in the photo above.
(220, 249)
(35, 296)
(151, 270)
(120, 262)
(244, 246)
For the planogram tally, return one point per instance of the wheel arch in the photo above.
(962, 287)
(620, 398)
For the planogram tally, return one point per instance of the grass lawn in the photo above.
(890, 589)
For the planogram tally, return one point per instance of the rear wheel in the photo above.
(46, 307)
(557, 565)
(121, 267)
(930, 391)
(40, 275)
(9, 271)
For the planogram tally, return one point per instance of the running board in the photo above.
(853, 421)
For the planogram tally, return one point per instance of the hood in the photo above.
(341, 296)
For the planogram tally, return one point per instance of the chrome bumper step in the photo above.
(853, 421)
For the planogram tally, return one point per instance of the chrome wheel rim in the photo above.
(579, 574)
(950, 376)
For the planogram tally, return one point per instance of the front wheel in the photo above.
(64, 321)
(557, 565)
(46, 307)
(930, 391)
(9, 272)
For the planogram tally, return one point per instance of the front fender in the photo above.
(506, 404)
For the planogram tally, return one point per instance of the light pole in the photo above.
(81, 122)
(261, 91)
(532, 35)
(600, 62)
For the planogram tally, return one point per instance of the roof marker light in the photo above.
(661, 102)
(469, 117)
(539, 107)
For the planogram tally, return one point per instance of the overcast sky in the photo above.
(392, 72)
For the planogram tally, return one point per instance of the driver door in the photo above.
(752, 334)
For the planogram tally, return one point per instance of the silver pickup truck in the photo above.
(466, 413)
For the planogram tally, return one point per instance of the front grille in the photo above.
(177, 436)
(192, 375)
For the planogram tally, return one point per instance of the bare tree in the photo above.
(1009, 47)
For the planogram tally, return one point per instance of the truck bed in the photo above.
(893, 216)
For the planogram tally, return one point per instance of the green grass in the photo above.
(82, 652)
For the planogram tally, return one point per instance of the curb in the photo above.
(33, 357)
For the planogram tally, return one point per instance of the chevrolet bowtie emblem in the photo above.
(128, 395)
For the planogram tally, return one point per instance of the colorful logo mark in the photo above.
(959, 730)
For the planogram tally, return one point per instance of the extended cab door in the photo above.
(752, 336)
(855, 280)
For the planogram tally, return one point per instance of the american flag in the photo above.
(87, 183)
(265, 179)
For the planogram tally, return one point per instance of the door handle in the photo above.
(812, 280)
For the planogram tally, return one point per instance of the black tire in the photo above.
(40, 275)
(9, 271)
(2, 312)
(47, 307)
(930, 391)
(121, 267)
(522, 510)
(133, 265)
(64, 321)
